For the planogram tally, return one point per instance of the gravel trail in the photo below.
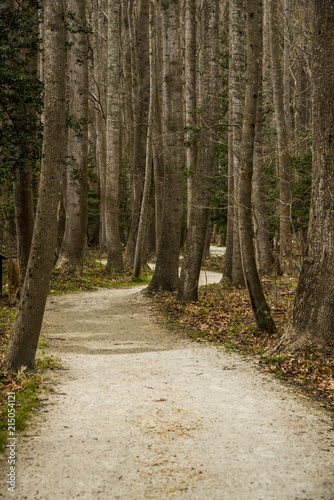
(142, 412)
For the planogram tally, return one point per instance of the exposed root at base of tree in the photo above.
(304, 347)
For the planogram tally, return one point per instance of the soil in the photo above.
(142, 412)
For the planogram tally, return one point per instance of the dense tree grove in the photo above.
(147, 128)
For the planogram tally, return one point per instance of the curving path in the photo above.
(143, 413)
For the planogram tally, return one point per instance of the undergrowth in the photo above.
(95, 276)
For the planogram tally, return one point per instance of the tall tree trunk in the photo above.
(190, 94)
(23, 343)
(260, 308)
(75, 237)
(166, 272)
(113, 241)
(141, 91)
(144, 213)
(286, 70)
(311, 325)
(228, 264)
(264, 254)
(100, 55)
(282, 138)
(158, 157)
(236, 89)
(202, 181)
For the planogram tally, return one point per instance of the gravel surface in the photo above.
(143, 412)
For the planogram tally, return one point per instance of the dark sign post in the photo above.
(2, 257)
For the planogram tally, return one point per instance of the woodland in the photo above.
(144, 130)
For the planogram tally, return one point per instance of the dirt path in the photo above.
(142, 412)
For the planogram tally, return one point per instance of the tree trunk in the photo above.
(236, 89)
(24, 217)
(113, 241)
(158, 158)
(190, 95)
(140, 98)
(264, 254)
(100, 55)
(311, 325)
(228, 265)
(75, 237)
(260, 308)
(202, 181)
(23, 343)
(144, 213)
(283, 154)
(166, 272)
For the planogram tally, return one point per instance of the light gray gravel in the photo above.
(142, 412)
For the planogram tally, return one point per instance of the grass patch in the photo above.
(95, 276)
(27, 387)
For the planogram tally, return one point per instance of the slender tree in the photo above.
(158, 157)
(166, 272)
(139, 40)
(311, 324)
(113, 241)
(233, 269)
(258, 302)
(23, 343)
(263, 250)
(99, 96)
(190, 67)
(75, 237)
(202, 181)
(144, 213)
(284, 209)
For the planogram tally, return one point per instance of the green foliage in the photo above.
(78, 126)
(74, 27)
(21, 92)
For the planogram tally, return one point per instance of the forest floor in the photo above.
(140, 410)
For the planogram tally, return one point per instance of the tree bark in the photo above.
(166, 272)
(100, 55)
(283, 154)
(311, 325)
(236, 89)
(140, 98)
(260, 308)
(23, 343)
(158, 157)
(202, 181)
(113, 241)
(190, 66)
(264, 254)
(75, 237)
(144, 213)
(24, 217)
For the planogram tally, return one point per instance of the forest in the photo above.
(147, 129)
